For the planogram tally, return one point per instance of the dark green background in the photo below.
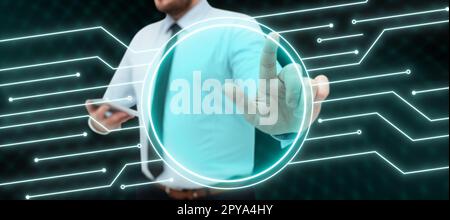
(424, 50)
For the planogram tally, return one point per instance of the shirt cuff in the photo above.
(285, 139)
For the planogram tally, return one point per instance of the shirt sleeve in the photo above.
(121, 76)
(120, 86)
(245, 54)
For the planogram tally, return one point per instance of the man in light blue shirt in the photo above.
(216, 145)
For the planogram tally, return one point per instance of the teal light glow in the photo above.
(204, 180)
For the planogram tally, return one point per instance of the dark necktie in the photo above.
(162, 84)
(160, 96)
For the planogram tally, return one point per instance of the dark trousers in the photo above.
(156, 193)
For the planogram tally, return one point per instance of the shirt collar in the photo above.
(196, 14)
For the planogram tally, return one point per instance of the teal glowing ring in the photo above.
(153, 137)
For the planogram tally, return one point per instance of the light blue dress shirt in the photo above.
(218, 146)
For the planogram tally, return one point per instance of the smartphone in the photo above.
(114, 108)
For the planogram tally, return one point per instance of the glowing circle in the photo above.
(180, 169)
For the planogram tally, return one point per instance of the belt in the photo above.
(186, 194)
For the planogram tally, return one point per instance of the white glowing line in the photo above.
(53, 177)
(311, 9)
(77, 75)
(123, 186)
(66, 119)
(92, 188)
(321, 40)
(417, 92)
(386, 93)
(43, 122)
(126, 129)
(407, 72)
(355, 52)
(370, 153)
(387, 121)
(355, 21)
(84, 134)
(306, 29)
(374, 43)
(12, 99)
(72, 61)
(37, 159)
(76, 31)
(62, 107)
(358, 132)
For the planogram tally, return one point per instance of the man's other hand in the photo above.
(289, 94)
(103, 121)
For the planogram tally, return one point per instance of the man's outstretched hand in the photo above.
(282, 89)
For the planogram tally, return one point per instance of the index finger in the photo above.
(268, 68)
